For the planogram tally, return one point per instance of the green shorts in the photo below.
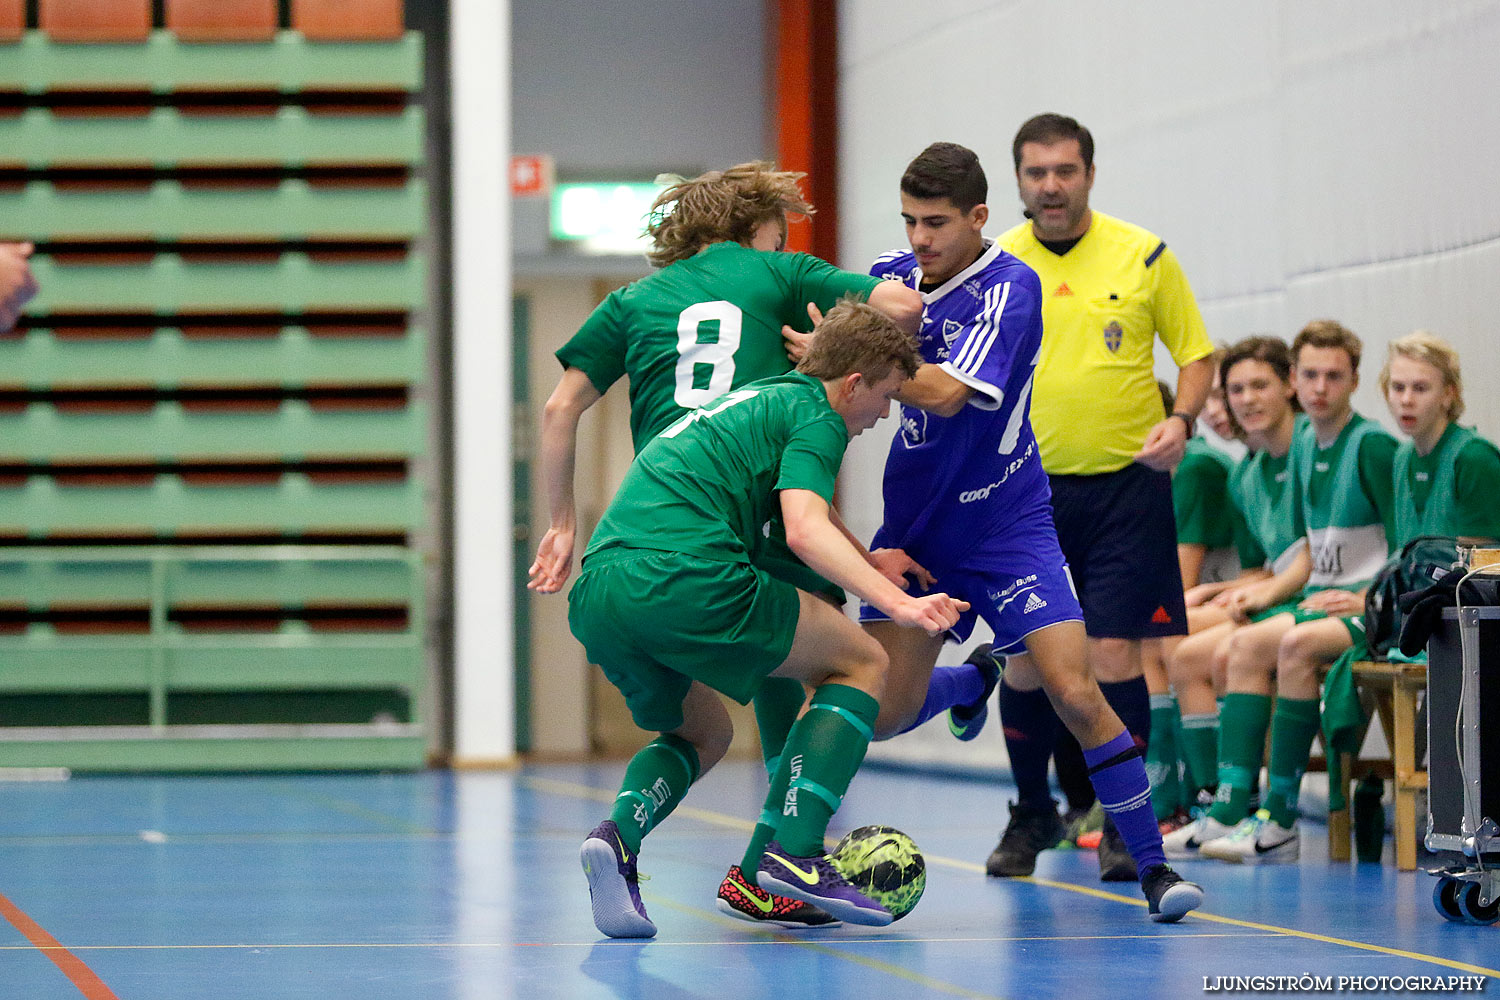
(1354, 624)
(777, 559)
(657, 621)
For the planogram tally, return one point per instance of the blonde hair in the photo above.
(856, 337)
(1420, 345)
(721, 205)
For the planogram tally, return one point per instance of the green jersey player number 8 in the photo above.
(717, 354)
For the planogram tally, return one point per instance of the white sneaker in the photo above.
(1184, 842)
(1257, 840)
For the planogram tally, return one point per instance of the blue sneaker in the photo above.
(614, 885)
(815, 880)
(965, 721)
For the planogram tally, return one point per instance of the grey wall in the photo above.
(626, 91)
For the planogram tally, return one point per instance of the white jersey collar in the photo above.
(991, 251)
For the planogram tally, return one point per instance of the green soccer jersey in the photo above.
(708, 483)
(1451, 490)
(1200, 496)
(1345, 500)
(700, 327)
(1262, 490)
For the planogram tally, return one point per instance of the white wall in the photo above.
(1302, 159)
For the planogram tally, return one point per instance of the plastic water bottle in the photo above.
(1369, 818)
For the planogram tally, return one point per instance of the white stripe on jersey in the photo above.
(887, 257)
(986, 329)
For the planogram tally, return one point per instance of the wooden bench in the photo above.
(1393, 688)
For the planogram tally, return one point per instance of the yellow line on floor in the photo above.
(719, 819)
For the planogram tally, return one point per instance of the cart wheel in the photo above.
(1445, 898)
(1468, 903)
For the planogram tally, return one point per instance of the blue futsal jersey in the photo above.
(952, 481)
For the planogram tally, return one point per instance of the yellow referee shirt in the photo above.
(1104, 303)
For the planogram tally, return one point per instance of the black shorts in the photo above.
(1120, 539)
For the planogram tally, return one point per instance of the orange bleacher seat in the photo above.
(12, 19)
(96, 20)
(348, 20)
(222, 20)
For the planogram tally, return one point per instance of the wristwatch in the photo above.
(1186, 420)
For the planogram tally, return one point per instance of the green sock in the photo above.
(1242, 745)
(656, 779)
(765, 826)
(1161, 756)
(825, 748)
(1200, 748)
(1293, 727)
(777, 704)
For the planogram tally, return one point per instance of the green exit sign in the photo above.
(603, 217)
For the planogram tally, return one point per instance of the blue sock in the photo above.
(949, 686)
(1119, 776)
(1030, 731)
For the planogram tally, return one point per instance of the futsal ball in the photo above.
(884, 864)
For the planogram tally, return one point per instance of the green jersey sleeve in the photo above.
(810, 279)
(1377, 459)
(813, 454)
(1252, 556)
(1476, 485)
(1200, 501)
(598, 348)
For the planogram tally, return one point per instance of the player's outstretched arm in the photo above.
(893, 564)
(935, 391)
(817, 541)
(902, 304)
(559, 445)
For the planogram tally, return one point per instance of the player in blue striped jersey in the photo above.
(967, 498)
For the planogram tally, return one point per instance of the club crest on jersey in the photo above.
(951, 329)
(1113, 335)
(913, 426)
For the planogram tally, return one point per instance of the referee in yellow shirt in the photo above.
(1109, 289)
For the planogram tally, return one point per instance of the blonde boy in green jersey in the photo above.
(672, 608)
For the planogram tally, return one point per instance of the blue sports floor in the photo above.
(467, 886)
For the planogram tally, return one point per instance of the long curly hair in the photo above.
(721, 205)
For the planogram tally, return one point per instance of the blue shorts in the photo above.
(1120, 539)
(1016, 580)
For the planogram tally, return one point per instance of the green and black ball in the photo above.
(884, 864)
